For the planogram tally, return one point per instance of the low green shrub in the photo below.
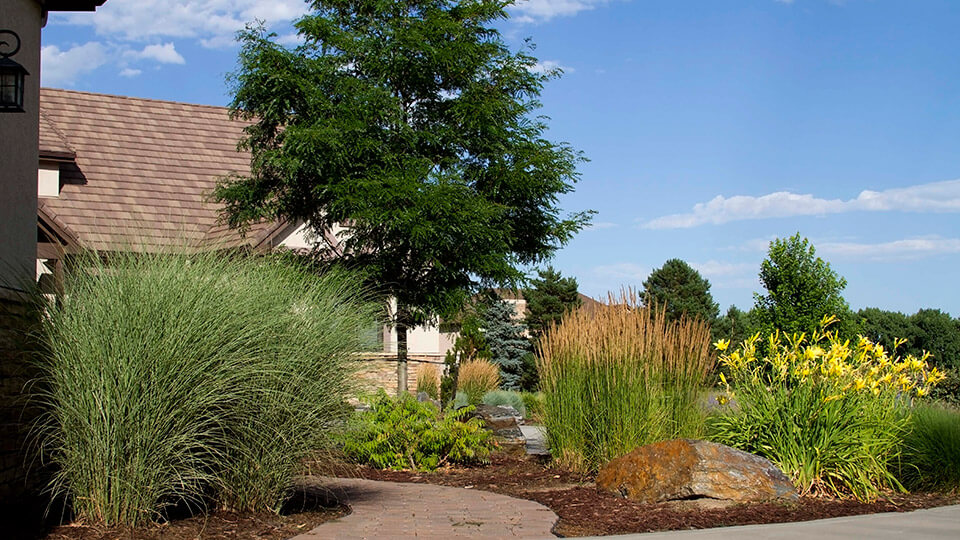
(533, 403)
(177, 379)
(618, 378)
(506, 398)
(931, 449)
(832, 416)
(402, 433)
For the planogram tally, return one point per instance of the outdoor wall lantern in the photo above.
(11, 73)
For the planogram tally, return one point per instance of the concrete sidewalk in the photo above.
(936, 523)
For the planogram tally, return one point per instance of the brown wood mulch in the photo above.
(585, 511)
(216, 526)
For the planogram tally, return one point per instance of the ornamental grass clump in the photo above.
(428, 380)
(198, 380)
(931, 449)
(620, 377)
(830, 413)
(476, 378)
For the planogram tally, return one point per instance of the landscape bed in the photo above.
(586, 511)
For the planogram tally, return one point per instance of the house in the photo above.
(21, 22)
(123, 173)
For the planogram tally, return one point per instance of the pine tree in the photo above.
(507, 344)
(549, 298)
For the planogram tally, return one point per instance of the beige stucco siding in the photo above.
(19, 133)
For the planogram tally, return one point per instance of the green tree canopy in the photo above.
(680, 289)
(412, 123)
(885, 327)
(801, 289)
(937, 333)
(548, 298)
(735, 325)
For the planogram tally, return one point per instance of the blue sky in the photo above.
(712, 126)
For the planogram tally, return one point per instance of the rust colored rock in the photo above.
(686, 469)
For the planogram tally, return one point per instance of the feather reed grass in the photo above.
(619, 377)
(476, 378)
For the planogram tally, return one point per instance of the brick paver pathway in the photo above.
(403, 510)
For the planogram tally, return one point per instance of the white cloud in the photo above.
(906, 249)
(63, 67)
(165, 54)
(628, 271)
(529, 11)
(933, 197)
(716, 269)
(130, 72)
(602, 225)
(548, 66)
(213, 22)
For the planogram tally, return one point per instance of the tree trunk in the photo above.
(401, 351)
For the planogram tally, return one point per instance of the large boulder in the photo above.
(504, 422)
(690, 469)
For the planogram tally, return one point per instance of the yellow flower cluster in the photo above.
(846, 367)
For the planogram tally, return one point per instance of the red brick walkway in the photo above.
(401, 510)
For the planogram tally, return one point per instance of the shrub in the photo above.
(931, 449)
(618, 378)
(170, 379)
(533, 403)
(505, 398)
(830, 415)
(428, 378)
(404, 433)
(476, 378)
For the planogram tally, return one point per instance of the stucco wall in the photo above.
(19, 133)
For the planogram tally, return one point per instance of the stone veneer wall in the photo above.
(380, 370)
(14, 420)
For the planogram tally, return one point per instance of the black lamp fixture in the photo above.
(11, 73)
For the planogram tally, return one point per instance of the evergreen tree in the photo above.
(548, 298)
(504, 337)
(735, 325)
(680, 289)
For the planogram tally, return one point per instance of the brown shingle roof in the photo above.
(143, 171)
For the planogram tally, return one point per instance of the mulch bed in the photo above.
(216, 526)
(584, 510)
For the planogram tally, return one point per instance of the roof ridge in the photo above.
(134, 98)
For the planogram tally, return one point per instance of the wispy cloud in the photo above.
(550, 66)
(63, 67)
(130, 72)
(906, 249)
(532, 11)
(602, 225)
(622, 271)
(714, 269)
(932, 197)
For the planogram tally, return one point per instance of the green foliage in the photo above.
(680, 289)
(928, 330)
(931, 450)
(533, 403)
(830, 415)
(170, 379)
(402, 433)
(506, 398)
(621, 378)
(735, 325)
(548, 298)
(504, 336)
(413, 122)
(802, 289)
(937, 333)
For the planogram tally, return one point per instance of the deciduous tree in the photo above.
(413, 124)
